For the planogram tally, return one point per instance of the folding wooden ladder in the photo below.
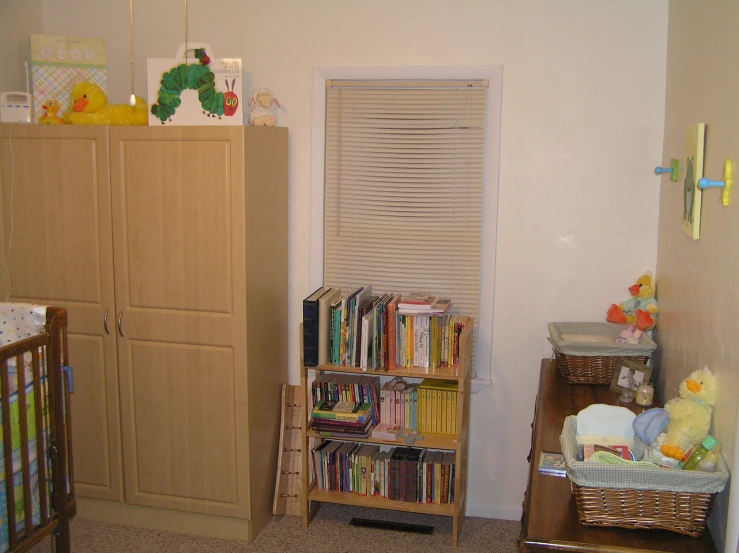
(289, 461)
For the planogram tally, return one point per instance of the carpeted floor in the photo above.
(329, 531)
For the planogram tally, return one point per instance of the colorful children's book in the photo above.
(552, 463)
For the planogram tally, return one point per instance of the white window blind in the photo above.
(404, 188)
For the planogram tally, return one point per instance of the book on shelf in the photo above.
(325, 301)
(364, 314)
(356, 388)
(407, 474)
(552, 463)
(310, 328)
(372, 332)
(437, 308)
(386, 431)
(342, 411)
(417, 301)
(342, 429)
(437, 406)
(392, 306)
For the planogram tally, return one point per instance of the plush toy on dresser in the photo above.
(89, 106)
(260, 114)
(641, 310)
(690, 414)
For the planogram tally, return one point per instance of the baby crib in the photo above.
(36, 486)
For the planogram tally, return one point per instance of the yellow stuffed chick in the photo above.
(690, 414)
(50, 117)
(89, 106)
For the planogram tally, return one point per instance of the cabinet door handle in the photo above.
(120, 330)
(105, 322)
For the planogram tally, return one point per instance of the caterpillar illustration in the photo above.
(198, 77)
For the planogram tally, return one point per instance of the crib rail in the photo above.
(41, 417)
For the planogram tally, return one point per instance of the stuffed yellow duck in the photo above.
(641, 310)
(89, 106)
(50, 117)
(690, 414)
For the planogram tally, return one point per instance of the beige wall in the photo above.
(582, 124)
(18, 19)
(698, 284)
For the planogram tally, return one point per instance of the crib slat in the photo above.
(64, 342)
(41, 393)
(20, 372)
(56, 389)
(8, 455)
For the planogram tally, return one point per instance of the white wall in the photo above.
(583, 106)
(697, 284)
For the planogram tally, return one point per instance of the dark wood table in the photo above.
(550, 517)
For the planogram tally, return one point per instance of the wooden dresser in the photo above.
(550, 516)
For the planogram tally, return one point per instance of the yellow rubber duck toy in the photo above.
(50, 107)
(89, 106)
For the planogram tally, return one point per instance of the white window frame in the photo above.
(494, 75)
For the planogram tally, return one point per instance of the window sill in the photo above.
(479, 384)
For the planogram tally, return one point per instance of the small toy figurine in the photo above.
(89, 106)
(690, 414)
(261, 101)
(50, 117)
(641, 310)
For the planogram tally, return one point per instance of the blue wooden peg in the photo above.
(705, 183)
(660, 170)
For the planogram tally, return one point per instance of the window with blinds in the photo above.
(403, 205)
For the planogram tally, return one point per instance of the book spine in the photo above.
(331, 416)
(451, 483)
(310, 333)
(429, 474)
(402, 475)
(392, 322)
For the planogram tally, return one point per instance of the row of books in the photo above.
(398, 473)
(355, 388)
(430, 406)
(358, 328)
(338, 420)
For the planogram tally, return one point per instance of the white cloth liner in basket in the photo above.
(560, 332)
(595, 475)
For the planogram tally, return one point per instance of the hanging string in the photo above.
(132, 100)
(185, 33)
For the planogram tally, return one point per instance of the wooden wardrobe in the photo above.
(168, 248)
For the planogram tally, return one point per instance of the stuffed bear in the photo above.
(690, 414)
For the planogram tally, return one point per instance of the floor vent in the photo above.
(397, 526)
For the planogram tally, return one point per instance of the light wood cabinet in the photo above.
(168, 246)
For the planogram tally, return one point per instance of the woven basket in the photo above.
(592, 362)
(684, 513)
(640, 498)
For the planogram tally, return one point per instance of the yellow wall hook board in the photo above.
(672, 169)
(725, 184)
(728, 180)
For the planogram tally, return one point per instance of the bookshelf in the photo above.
(311, 497)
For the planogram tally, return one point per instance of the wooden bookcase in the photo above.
(311, 497)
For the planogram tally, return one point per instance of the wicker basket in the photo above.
(586, 353)
(640, 498)
(684, 513)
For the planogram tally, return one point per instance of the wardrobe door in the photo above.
(178, 219)
(57, 250)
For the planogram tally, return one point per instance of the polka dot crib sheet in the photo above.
(19, 321)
